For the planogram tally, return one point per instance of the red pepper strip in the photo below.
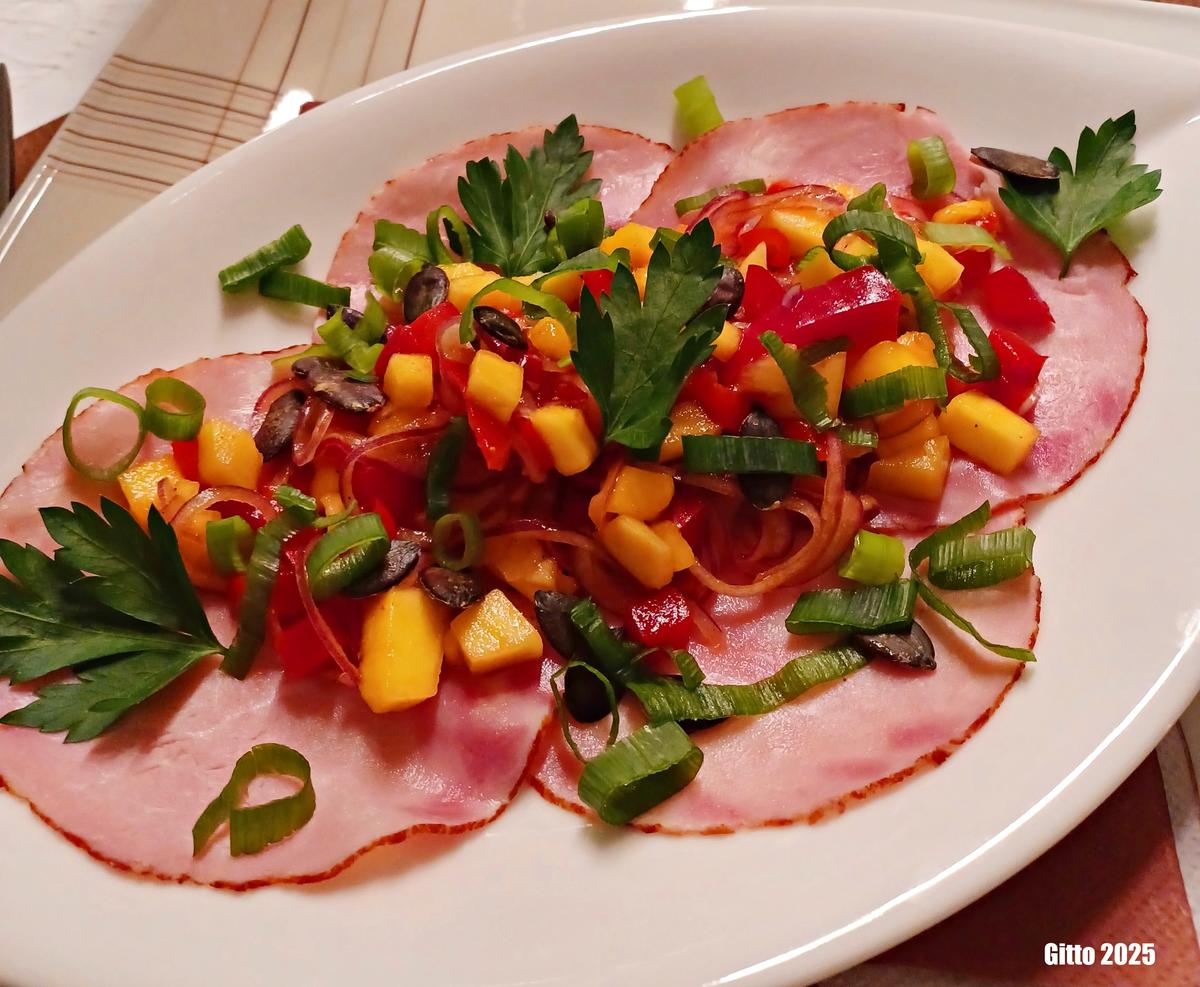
(286, 604)
(779, 250)
(976, 265)
(420, 337)
(990, 222)
(663, 620)
(382, 486)
(687, 511)
(234, 589)
(187, 457)
(763, 293)
(1020, 365)
(491, 435)
(597, 282)
(300, 649)
(1009, 299)
(725, 406)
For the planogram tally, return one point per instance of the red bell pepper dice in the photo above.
(762, 293)
(187, 457)
(419, 337)
(299, 648)
(597, 282)
(687, 512)
(491, 435)
(1020, 366)
(1009, 299)
(725, 406)
(779, 250)
(663, 620)
(536, 446)
(976, 265)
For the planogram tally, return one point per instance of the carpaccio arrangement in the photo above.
(685, 486)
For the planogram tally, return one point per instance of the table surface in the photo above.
(1129, 873)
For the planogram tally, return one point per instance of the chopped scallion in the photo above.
(579, 227)
(639, 772)
(444, 217)
(869, 609)
(755, 186)
(289, 286)
(748, 454)
(696, 108)
(113, 469)
(443, 466)
(964, 235)
(874, 559)
(984, 364)
(230, 542)
(614, 657)
(889, 392)
(976, 561)
(931, 167)
(564, 720)
(346, 553)
(291, 248)
(528, 295)
(807, 386)
(174, 409)
(461, 526)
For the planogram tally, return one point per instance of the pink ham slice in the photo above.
(626, 163)
(838, 744)
(1095, 352)
(131, 796)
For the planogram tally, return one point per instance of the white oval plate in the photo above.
(541, 897)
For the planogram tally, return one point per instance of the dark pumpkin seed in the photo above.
(763, 490)
(913, 649)
(355, 396)
(275, 433)
(1021, 165)
(311, 367)
(585, 697)
(350, 316)
(553, 612)
(728, 292)
(500, 327)
(401, 557)
(456, 589)
(427, 289)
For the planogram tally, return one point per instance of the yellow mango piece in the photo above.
(816, 270)
(847, 192)
(453, 656)
(987, 431)
(495, 384)
(964, 212)
(756, 258)
(494, 634)
(727, 342)
(682, 556)
(408, 381)
(549, 337)
(327, 490)
(802, 227)
(566, 434)
(635, 238)
(926, 429)
(687, 418)
(227, 455)
(520, 562)
(857, 245)
(464, 287)
(833, 369)
(639, 278)
(884, 358)
(919, 472)
(641, 493)
(401, 649)
(566, 286)
(639, 550)
(140, 485)
(939, 268)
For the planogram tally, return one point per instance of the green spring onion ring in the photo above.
(527, 294)
(889, 392)
(689, 669)
(456, 236)
(874, 559)
(612, 656)
(863, 438)
(472, 538)
(807, 386)
(879, 226)
(976, 561)
(118, 466)
(345, 553)
(755, 186)
(866, 609)
(964, 235)
(639, 772)
(291, 248)
(579, 227)
(261, 573)
(667, 699)
(392, 269)
(696, 108)
(174, 409)
(564, 720)
(984, 364)
(348, 345)
(443, 467)
(289, 286)
(749, 454)
(925, 549)
(253, 828)
(931, 167)
(230, 542)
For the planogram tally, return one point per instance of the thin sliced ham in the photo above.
(130, 797)
(1095, 352)
(626, 164)
(837, 744)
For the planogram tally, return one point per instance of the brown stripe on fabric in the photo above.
(59, 161)
(186, 72)
(255, 117)
(208, 156)
(122, 116)
(412, 42)
(78, 137)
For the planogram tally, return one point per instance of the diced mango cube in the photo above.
(453, 656)
(521, 562)
(858, 246)
(566, 434)
(467, 280)
(682, 556)
(939, 268)
(926, 429)
(885, 358)
(494, 634)
(495, 384)
(964, 212)
(727, 342)
(641, 493)
(639, 278)
(802, 227)
(635, 238)
(987, 431)
(687, 418)
(833, 369)
(401, 649)
(816, 270)
(639, 550)
(550, 339)
(408, 381)
(566, 286)
(756, 258)
(227, 455)
(327, 490)
(140, 485)
(919, 472)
